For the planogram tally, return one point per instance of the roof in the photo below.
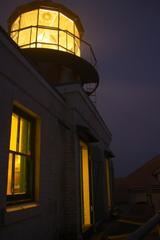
(142, 178)
(46, 5)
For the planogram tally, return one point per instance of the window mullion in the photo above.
(13, 169)
(58, 28)
(18, 135)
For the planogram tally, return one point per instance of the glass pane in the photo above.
(24, 37)
(48, 18)
(62, 39)
(14, 36)
(27, 46)
(77, 47)
(32, 45)
(70, 43)
(77, 32)
(33, 34)
(15, 25)
(9, 180)
(50, 46)
(29, 19)
(66, 23)
(62, 49)
(77, 52)
(24, 136)
(14, 132)
(47, 36)
(20, 180)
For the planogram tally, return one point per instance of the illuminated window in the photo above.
(24, 37)
(15, 25)
(77, 42)
(46, 28)
(85, 186)
(48, 18)
(29, 19)
(47, 36)
(21, 157)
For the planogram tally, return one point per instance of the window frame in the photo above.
(30, 158)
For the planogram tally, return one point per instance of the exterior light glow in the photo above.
(45, 28)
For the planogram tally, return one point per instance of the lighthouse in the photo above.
(51, 36)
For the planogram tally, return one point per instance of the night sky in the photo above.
(125, 35)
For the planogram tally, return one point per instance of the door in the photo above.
(85, 186)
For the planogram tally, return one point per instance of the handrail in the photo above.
(144, 230)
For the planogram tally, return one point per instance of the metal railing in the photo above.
(86, 50)
(145, 229)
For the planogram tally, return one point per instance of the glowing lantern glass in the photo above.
(43, 28)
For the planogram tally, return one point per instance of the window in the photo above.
(46, 28)
(85, 186)
(20, 183)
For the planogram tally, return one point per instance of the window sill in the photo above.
(21, 212)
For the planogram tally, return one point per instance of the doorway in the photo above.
(86, 188)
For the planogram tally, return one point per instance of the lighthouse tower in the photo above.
(56, 169)
(51, 36)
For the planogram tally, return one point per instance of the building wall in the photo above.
(56, 211)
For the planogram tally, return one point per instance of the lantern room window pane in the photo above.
(77, 32)
(48, 18)
(70, 43)
(29, 19)
(77, 47)
(14, 36)
(66, 23)
(62, 49)
(24, 37)
(33, 35)
(44, 45)
(63, 39)
(15, 25)
(33, 45)
(47, 36)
